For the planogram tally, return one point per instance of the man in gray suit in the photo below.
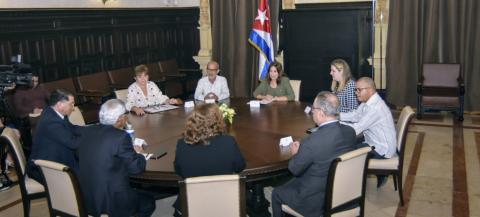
(311, 159)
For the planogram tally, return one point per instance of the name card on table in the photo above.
(210, 101)
(286, 141)
(307, 110)
(254, 104)
(139, 142)
(189, 104)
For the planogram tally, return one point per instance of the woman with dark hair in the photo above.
(275, 87)
(206, 149)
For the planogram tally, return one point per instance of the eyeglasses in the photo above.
(211, 69)
(359, 89)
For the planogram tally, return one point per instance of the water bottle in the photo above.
(131, 132)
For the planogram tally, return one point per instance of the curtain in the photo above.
(432, 31)
(231, 24)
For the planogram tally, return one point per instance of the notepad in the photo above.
(159, 108)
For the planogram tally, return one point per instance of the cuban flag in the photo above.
(261, 38)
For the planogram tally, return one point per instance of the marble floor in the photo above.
(441, 175)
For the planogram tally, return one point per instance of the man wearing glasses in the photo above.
(212, 86)
(374, 119)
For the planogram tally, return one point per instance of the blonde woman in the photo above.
(343, 85)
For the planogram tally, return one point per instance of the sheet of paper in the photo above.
(308, 109)
(189, 104)
(210, 101)
(286, 141)
(254, 103)
(139, 142)
(159, 108)
(265, 101)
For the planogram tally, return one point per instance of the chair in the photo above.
(64, 194)
(121, 95)
(213, 196)
(296, 88)
(94, 87)
(76, 117)
(121, 78)
(394, 166)
(29, 188)
(188, 77)
(345, 189)
(441, 88)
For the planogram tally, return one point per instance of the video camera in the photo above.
(19, 74)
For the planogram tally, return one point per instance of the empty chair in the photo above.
(441, 88)
(213, 196)
(94, 87)
(121, 95)
(29, 188)
(345, 190)
(188, 77)
(64, 194)
(394, 166)
(76, 117)
(121, 78)
(296, 88)
(66, 84)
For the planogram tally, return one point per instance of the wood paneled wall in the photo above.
(65, 43)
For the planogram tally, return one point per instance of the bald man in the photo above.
(374, 119)
(212, 86)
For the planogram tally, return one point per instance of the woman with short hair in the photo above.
(144, 93)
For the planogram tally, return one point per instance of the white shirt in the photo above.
(374, 119)
(136, 98)
(219, 88)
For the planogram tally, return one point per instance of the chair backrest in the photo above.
(10, 137)
(296, 88)
(346, 180)
(121, 77)
(403, 122)
(221, 195)
(441, 75)
(96, 82)
(169, 67)
(76, 117)
(64, 196)
(66, 84)
(154, 72)
(121, 95)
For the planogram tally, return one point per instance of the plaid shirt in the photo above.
(347, 97)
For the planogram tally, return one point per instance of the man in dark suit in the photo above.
(55, 137)
(311, 159)
(107, 157)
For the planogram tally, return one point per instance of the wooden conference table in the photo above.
(256, 130)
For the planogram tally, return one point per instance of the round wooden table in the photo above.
(256, 130)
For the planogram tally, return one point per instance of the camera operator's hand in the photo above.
(37, 110)
(11, 87)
